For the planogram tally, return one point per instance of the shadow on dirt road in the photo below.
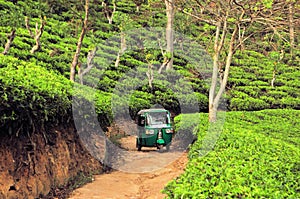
(140, 174)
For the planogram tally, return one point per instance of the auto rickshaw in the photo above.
(154, 129)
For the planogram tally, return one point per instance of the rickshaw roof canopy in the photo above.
(152, 110)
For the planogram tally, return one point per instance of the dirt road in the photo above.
(142, 176)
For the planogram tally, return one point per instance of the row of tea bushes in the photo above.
(249, 84)
(256, 156)
(31, 95)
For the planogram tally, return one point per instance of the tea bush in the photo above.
(248, 85)
(31, 95)
(256, 156)
(251, 76)
(248, 104)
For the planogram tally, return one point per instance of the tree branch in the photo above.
(37, 37)
(28, 27)
(211, 22)
(10, 39)
(89, 64)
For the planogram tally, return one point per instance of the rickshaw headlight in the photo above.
(169, 130)
(149, 132)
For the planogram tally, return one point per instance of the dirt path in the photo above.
(154, 171)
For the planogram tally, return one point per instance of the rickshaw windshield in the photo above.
(158, 118)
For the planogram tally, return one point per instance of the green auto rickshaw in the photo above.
(154, 129)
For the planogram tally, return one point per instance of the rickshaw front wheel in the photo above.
(168, 147)
(139, 147)
(160, 147)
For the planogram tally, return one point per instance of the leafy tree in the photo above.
(231, 21)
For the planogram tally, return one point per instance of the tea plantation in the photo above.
(256, 156)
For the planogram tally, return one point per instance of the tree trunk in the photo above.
(291, 26)
(212, 114)
(138, 4)
(226, 71)
(10, 39)
(79, 43)
(122, 50)
(109, 14)
(110, 19)
(214, 79)
(38, 35)
(273, 78)
(89, 64)
(169, 32)
(149, 74)
(28, 27)
(214, 101)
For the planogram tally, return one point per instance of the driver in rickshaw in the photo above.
(157, 118)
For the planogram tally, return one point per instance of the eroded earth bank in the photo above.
(42, 165)
(52, 163)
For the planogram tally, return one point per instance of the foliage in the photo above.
(256, 156)
(248, 88)
(249, 85)
(31, 95)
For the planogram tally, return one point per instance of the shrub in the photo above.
(31, 95)
(252, 91)
(277, 94)
(290, 102)
(254, 157)
(238, 94)
(248, 103)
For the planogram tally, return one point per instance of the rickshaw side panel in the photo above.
(167, 137)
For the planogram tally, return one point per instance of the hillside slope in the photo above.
(255, 156)
(36, 94)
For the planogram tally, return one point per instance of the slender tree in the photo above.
(108, 11)
(168, 52)
(226, 17)
(138, 4)
(170, 12)
(79, 42)
(89, 65)
(10, 38)
(291, 8)
(12, 19)
(38, 33)
(149, 73)
(125, 23)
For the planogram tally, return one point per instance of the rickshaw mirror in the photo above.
(141, 120)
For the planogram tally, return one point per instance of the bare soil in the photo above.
(141, 176)
(30, 167)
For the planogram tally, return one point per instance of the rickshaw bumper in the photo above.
(160, 142)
